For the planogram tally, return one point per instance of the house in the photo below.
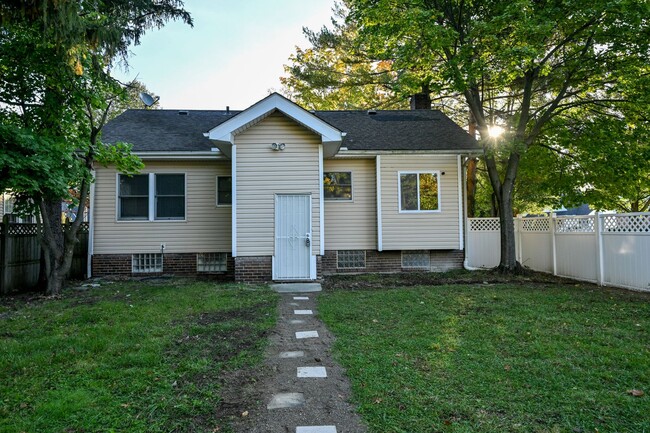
(275, 192)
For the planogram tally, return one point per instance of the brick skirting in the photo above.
(391, 262)
(175, 264)
(259, 269)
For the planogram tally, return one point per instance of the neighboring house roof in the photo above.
(182, 130)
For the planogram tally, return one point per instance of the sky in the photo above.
(233, 56)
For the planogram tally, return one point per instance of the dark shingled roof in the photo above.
(167, 130)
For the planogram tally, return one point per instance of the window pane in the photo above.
(134, 185)
(337, 185)
(428, 191)
(134, 207)
(224, 194)
(409, 191)
(170, 184)
(170, 207)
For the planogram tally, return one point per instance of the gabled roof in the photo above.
(183, 130)
(274, 102)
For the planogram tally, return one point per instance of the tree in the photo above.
(334, 74)
(56, 94)
(519, 65)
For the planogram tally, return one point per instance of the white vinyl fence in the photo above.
(607, 249)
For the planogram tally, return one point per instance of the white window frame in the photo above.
(155, 198)
(418, 173)
(217, 192)
(151, 198)
(341, 200)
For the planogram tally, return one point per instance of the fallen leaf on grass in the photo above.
(507, 368)
(125, 405)
(378, 400)
(635, 392)
(245, 413)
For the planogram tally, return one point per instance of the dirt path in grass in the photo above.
(324, 399)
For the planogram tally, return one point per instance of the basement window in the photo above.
(350, 259)
(211, 262)
(146, 263)
(416, 259)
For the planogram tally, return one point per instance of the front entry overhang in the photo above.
(224, 134)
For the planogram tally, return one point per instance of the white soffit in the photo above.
(225, 132)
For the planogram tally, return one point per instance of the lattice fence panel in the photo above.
(484, 225)
(626, 223)
(535, 225)
(22, 230)
(574, 225)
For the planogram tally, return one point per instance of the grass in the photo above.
(519, 357)
(136, 357)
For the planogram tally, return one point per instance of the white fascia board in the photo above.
(225, 131)
(180, 155)
(343, 153)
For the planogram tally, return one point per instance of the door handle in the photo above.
(308, 240)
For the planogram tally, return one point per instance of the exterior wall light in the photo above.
(278, 146)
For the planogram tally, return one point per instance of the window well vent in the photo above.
(183, 113)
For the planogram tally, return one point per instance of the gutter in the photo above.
(197, 155)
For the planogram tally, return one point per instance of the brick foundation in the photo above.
(391, 262)
(259, 269)
(175, 264)
(253, 269)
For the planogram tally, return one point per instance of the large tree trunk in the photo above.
(471, 187)
(58, 243)
(503, 191)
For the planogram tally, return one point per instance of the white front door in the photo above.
(292, 259)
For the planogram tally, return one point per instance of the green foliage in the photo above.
(133, 357)
(335, 73)
(494, 358)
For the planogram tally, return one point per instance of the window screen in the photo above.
(134, 197)
(170, 196)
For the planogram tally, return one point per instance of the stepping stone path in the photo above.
(305, 391)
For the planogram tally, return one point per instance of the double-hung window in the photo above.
(419, 191)
(149, 197)
(337, 185)
(134, 197)
(170, 196)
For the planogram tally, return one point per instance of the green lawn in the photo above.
(519, 357)
(128, 357)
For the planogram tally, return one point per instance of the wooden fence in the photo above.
(607, 249)
(21, 257)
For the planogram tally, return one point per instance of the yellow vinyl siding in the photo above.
(205, 229)
(263, 172)
(352, 225)
(413, 230)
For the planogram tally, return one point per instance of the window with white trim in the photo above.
(146, 263)
(337, 185)
(134, 197)
(351, 259)
(419, 191)
(170, 196)
(149, 197)
(211, 262)
(224, 190)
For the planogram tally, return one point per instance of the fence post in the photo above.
(599, 250)
(518, 238)
(551, 227)
(4, 260)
